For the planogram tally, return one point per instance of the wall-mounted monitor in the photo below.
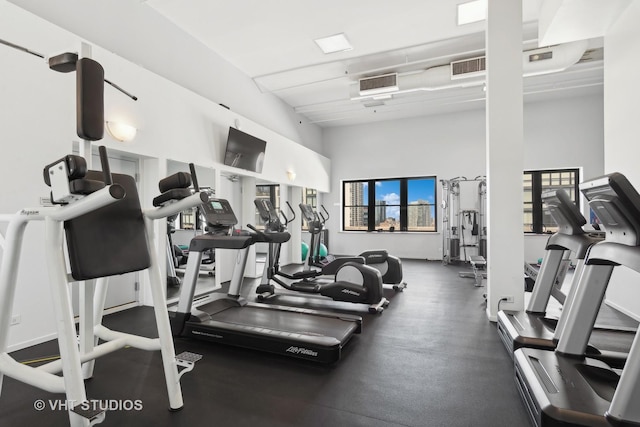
(244, 151)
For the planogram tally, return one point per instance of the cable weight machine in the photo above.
(464, 219)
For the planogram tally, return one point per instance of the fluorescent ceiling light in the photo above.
(473, 11)
(335, 43)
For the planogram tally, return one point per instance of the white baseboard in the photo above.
(32, 342)
(52, 336)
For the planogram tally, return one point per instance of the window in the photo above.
(536, 219)
(404, 204)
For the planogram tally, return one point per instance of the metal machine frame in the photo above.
(455, 237)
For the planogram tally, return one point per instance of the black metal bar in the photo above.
(20, 48)
(194, 178)
(135, 98)
(106, 169)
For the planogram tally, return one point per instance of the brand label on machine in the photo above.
(350, 292)
(300, 350)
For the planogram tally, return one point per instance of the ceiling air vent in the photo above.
(379, 84)
(468, 68)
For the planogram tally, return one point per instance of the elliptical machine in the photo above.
(389, 266)
(352, 281)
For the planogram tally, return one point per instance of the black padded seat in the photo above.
(111, 240)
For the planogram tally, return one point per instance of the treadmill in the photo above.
(564, 387)
(612, 338)
(230, 319)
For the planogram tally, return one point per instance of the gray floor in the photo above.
(431, 359)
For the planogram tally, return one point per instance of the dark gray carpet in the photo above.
(431, 359)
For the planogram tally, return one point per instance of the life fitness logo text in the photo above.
(300, 350)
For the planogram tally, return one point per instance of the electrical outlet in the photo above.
(16, 319)
(508, 299)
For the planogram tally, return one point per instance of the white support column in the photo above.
(248, 216)
(504, 156)
(86, 288)
(295, 228)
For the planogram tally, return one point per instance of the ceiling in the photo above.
(273, 43)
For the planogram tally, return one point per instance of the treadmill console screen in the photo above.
(563, 211)
(217, 206)
(266, 210)
(219, 213)
(307, 212)
(616, 203)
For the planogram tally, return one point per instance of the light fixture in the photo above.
(335, 43)
(472, 11)
(291, 175)
(121, 131)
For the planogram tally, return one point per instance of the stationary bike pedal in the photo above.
(91, 411)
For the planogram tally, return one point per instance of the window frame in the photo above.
(370, 207)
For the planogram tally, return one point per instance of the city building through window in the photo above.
(397, 204)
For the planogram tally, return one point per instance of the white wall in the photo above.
(136, 32)
(621, 127)
(38, 127)
(559, 133)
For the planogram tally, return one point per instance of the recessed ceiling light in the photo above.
(473, 11)
(335, 43)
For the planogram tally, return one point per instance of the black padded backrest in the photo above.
(111, 240)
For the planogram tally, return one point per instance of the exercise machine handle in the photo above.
(324, 219)
(258, 232)
(287, 220)
(194, 178)
(106, 169)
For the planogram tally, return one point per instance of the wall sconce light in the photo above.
(291, 175)
(121, 131)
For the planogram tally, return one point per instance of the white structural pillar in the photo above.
(504, 156)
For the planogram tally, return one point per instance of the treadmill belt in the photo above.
(612, 340)
(610, 318)
(286, 321)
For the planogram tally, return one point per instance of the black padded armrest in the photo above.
(175, 194)
(177, 180)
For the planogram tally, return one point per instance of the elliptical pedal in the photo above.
(400, 287)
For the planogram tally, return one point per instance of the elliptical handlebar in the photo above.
(287, 220)
(324, 219)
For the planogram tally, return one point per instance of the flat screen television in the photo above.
(244, 151)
